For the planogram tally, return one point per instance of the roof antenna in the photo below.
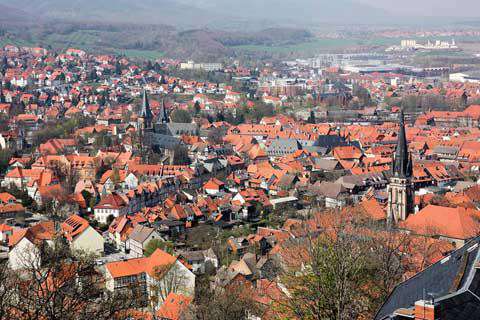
(432, 297)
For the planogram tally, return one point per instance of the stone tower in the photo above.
(400, 189)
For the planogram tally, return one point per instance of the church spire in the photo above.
(146, 112)
(401, 164)
(401, 189)
(145, 118)
(162, 114)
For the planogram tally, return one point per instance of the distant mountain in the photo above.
(123, 11)
(12, 15)
(302, 12)
(199, 13)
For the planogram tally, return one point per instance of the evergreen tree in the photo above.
(149, 65)
(93, 75)
(118, 68)
(196, 107)
(2, 96)
(240, 118)
(311, 118)
(220, 117)
(4, 64)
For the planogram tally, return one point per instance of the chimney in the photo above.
(426, 310)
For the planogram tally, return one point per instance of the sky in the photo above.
(439, 8)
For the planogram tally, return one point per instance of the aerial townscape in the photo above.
(217, 160)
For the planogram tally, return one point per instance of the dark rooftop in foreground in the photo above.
(453, 283)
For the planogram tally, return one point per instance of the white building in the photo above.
(139, 238)
(111, 205)
(160, 271)
(464, 77)
(81, 236)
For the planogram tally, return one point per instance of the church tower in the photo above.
(145, 118)
(400, 188)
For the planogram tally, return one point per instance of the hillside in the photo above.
(302, 12)
(227, 14)
(13, 15)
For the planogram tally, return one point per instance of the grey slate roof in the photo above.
(161, 140)
(332, 141)
(453, 282)
(326, 164)
(141, 233)
(178, 129)
(361, 180)
(330, 189)
(283, 146)
(446, 150)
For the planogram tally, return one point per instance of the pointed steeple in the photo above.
(146, 112)
(162, 114)
(402, 161)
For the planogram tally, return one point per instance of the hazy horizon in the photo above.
(433, 8)
(251, 14)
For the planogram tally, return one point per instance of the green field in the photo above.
(323, 44)
(82, 38)
(89, 40)
(140, 54)
(15, 42)
(103, 41)
(315, 45)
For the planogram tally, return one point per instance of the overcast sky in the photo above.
(452, 8)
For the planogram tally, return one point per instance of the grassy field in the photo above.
(88, 40)
(140, 54)
(15, 42)
(102, 41)
(322, 45)
(83, 38)
(319, 45)
(315, 45)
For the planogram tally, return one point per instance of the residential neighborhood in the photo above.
(320, 188)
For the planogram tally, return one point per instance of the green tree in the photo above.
(5, 156)
(196, 107)
(261, 110)
(180, 157)
(118, 68)
(87, 196)
(181, 116)
(311, 118)
(155, 244)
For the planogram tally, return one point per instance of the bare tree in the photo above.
(166, 279)
(234, 302)
(58, 285)
(388, 263)
(342, 273)
(6, 290)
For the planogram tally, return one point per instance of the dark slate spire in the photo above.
(402, 160)
(146, 112)
(162, 114)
